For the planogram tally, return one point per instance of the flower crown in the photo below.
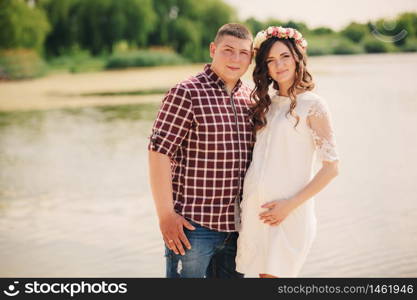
(279, 32)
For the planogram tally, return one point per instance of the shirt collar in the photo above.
(216, 80)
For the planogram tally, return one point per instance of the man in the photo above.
(199, 150)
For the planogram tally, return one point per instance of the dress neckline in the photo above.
(278, 98)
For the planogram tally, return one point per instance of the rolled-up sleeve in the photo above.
(173, 121)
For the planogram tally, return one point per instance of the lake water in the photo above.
(75, 200)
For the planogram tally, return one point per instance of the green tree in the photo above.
(322, 31)
(273, 22)
(92, 23)
(254, 25)
(406, 22)
(97, 25)
(62, 17)
(189, 26)
(141, 20)
(166, 11)
(300, 26)
(22, 26)
(355, 32)
(186, 38)
(214, 14)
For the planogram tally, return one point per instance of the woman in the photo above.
(293, 130)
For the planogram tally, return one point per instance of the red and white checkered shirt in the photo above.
(208, 136)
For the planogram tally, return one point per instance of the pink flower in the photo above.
(304, 43)
(282, 31)
(296, 35)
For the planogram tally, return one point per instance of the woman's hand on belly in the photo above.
(277, 211)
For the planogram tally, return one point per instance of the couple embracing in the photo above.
(231, 169)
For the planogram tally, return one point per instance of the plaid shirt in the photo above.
(208, 136)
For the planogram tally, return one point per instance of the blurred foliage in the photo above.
(77, 61)
(254, 25)
(410, 45)
(321, 44)
(321, 30)
(345, 46)
(20, 64)
(355, 31)
(189, 26)
(144, 58)
(373, 45)
(97, 25)
(22, 26)
(400, 29)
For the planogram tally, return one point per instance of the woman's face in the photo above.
(281, 64)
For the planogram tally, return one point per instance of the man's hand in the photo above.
(171, 226)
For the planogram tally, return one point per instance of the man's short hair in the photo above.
(237, 30)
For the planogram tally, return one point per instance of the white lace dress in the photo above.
(282, 165)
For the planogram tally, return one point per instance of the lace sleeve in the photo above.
(320, 125)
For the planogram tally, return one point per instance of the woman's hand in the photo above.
(277, 211)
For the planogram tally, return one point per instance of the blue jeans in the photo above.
(212, 255)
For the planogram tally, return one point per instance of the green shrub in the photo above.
(314, 50)
(355, 32)
(77, 61)
(21, 64)
(372, 45)
(144, 58)
(410, 46)
(344, 46)
(322, 31)
(319, 44)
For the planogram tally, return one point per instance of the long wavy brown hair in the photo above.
(303, 81)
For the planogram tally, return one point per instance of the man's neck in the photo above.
(228, 85)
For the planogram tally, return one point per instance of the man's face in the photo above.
(231, 57)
